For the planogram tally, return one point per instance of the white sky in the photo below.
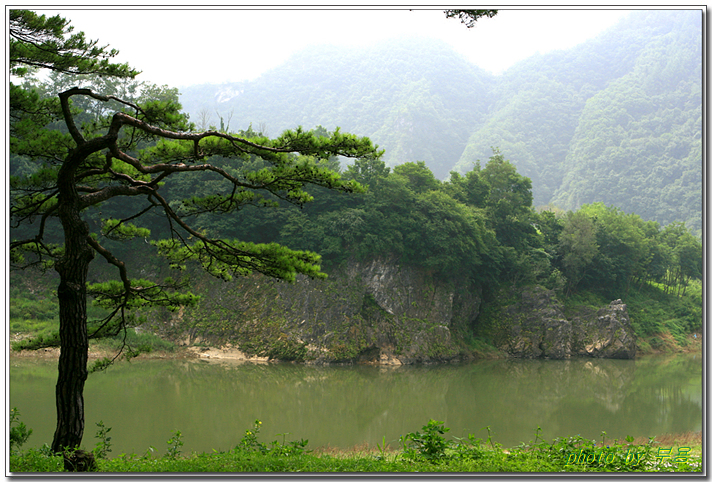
(181, 46)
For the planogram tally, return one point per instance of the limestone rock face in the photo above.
(535, 327)
(373, 311)
(606, 334)
(538, 328)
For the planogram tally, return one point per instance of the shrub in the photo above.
(428, 444)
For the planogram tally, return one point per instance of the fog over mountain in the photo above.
(616, 119)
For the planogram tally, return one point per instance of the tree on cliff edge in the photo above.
(130, 153)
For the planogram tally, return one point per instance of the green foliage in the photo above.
(141, 342)
(652, 311)
(428, 444)
(432, 453)
(576, 452)
(577, 246)
(174, 445)
(37, 342)
(36, 460)
(117, 230)
(110, 294)
(39, 41)
(19, 433)
(420, 179)
(249, 444)
(103, 446)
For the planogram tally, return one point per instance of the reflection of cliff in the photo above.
(514, 395)
(213, 402)
(578, 396)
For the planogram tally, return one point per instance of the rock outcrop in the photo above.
(535, 327)
(605, 334)
(378, 311)
(375, 311)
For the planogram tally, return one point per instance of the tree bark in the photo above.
(72, 367)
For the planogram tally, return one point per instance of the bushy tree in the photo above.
(577, 246)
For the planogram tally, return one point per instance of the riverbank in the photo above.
(662, 344)
(667, 344)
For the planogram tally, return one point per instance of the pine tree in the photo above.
(130, 153)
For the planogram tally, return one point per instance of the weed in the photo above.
(382, 448)
(19, 433)
(103, 447)
(174, 445)
(428, 444)
(250, 444)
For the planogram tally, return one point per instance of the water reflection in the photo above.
(213, 403)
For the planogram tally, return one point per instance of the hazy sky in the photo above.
(179, 46)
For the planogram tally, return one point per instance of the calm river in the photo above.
(213, 402)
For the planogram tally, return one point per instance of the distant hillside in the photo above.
(417, 98)
(616, 119)
(638, 143)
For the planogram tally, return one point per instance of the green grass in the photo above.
(652, 311)
(422, 451)
(34, 320)
(143, 342)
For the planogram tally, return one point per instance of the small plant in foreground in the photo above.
(174, 445)
(103, 447)
(470, 449)
(428, 444)
(382, 448)
(249, 443)
(19, 433)
(286, 449)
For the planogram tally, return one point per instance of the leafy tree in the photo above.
(508, 202)
(577, 246)
(624, 248)
(679, 257)
(367, 171)
(469, 189)
(420, 178)
(131, 153)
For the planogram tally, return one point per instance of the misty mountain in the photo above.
(416, 98)
(616, 119)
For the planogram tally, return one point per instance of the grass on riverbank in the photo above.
(422, 451)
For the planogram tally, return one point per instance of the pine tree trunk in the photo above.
(72, 268)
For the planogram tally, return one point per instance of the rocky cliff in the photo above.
(534, 326)
(373, 311)
(378, 311)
